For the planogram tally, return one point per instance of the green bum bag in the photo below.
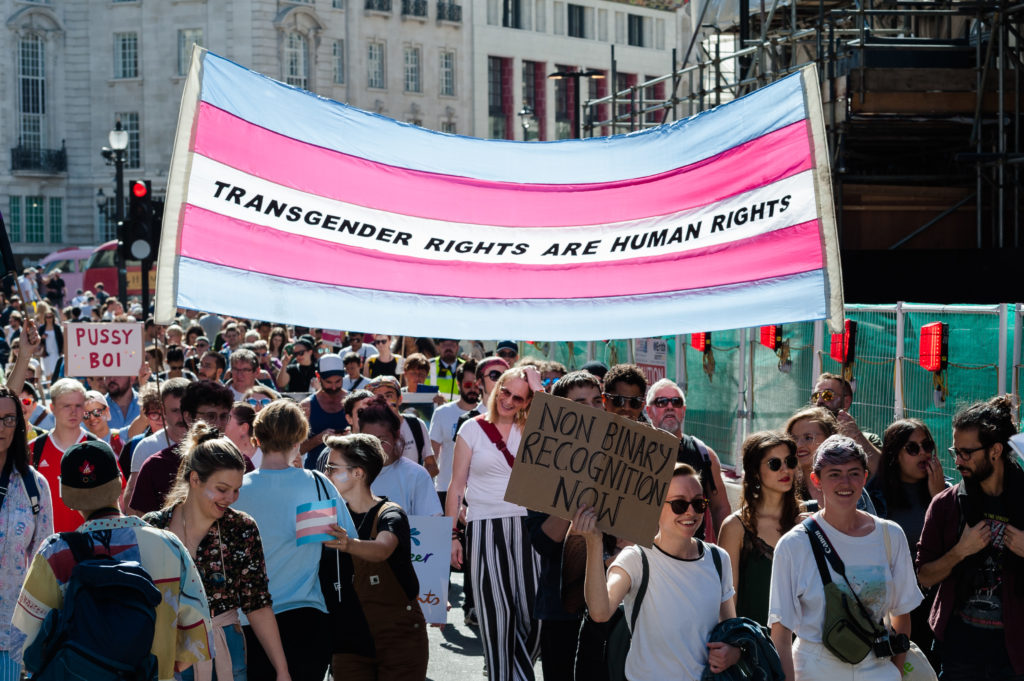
(848, 632)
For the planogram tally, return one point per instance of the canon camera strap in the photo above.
(823, 551)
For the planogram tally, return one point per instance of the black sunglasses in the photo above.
(775, 465)
(619, 401)
(493, 375)
(662, 402)
(914, 449)
(679, 506)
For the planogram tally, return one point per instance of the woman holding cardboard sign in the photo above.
(379, 629)
(673, 594)
(503, 564)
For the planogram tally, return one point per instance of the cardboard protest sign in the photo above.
(431, 550)
(107, 349)
(572, 455)
(651, 356)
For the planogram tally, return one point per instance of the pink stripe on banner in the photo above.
(221, 240)
(314, 530)
(324, 172)
(329, 512)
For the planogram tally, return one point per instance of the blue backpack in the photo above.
(104, 630)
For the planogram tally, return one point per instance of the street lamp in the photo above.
(114, 154)
(525, 114)
(576, 76)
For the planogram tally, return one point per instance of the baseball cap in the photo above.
(488, 363)
(89, 476)
(307, 340)
(331, 365)
(384, 382)
(508, 345)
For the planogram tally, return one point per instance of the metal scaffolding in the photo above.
(915, 94)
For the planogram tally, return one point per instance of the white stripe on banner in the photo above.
(318, 521)
(782, 204)
(781, 300)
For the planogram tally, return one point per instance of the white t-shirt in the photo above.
(409, 442)
(366, 351)
(442, 431)
(679, 610)
(489, 473)
(408, 484)
(797, 598)
(147, 447)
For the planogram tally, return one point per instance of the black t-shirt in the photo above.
(336, 573)
(375, 367)
(984, 606)
(690, 453)
(299, 377)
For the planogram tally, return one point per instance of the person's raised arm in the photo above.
(603, 593)
(29, 344)
(283, 378)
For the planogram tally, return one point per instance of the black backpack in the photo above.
(104, 631)
(620, 637)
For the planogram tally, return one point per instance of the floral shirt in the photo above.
(21, 535)
(230, 561)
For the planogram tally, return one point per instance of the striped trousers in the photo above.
(504, 570)
(9, 669)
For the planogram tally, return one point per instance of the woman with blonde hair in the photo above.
(503, 564)
(283, 500)
(225, 545)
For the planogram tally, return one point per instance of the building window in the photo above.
(296, 60)
(511, 13)
(447, 73)
(126, 55)
(376, 66)
(14, 216)
(31, 91)
(34, 219)
(636, 30)
(539, 15)
(499, 99)
(187, 37)
(412, 69)
(602, 24)
(575, 20)
(338, 4)
(339, 61)
(56, 220)
(448, 126)
(133, 154)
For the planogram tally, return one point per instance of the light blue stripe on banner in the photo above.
(782, 300)
(325, 123)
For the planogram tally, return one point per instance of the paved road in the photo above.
(455, 651)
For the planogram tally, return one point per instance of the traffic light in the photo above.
(141, 227)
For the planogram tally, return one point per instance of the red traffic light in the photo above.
(139, 189)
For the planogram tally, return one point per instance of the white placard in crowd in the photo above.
(431, 555)
(104, 349)
(651, 356)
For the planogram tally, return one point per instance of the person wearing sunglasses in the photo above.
(379, 630)
(259, 396)
(503, 565)
(666, 409)
(769, 508)
(972, 548)
(38, 417)
(685, 595)
(909, 476)
(97, 422)
(226, 548)
(298, 367)
(874, 565)
(833, 392)
(624, 390)
(384, 363)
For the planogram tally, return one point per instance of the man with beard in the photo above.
(324, 409)
(666, 407)
(173, 432)
(444, 422)
(443, 368)
(123, 401)
(833, 392)
(972, 546)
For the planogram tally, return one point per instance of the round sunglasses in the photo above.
(775, 464)
(914, 448)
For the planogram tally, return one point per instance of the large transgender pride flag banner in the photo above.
(288, 207)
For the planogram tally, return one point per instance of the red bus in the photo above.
(101, 268)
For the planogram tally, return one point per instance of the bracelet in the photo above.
(457, 534)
